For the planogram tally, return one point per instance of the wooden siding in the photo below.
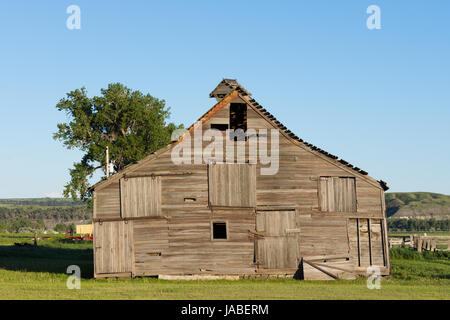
(107, 202)
(366, 238)
(151, 244)
(186, 246)
(323, 236)
(324, 243)
(140, 197)
(377, 243)
(364, 245)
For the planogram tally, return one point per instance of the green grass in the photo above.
(50, 286)
(408, 264)
(39, 273)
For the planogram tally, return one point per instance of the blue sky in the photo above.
(378, 98)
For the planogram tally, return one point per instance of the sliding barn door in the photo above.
(279, 248)
(113, 245)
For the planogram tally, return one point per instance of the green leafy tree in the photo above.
(72, 228)
(130, 123)
(402, 224)
(20, 224)
(3, 227)
(60, 228)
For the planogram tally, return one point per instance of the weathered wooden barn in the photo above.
(318, 217)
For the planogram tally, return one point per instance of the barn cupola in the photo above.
(225, 87)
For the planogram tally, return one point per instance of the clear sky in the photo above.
(379, 99)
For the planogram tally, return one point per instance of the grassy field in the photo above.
(39, 273)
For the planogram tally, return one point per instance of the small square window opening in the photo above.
(219, 230)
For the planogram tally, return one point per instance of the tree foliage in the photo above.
(60, 227)
(402, 224)
(130, 123)
(21, 225)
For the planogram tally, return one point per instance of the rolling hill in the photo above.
(423, 205)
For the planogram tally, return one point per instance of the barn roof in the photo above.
(229, 89)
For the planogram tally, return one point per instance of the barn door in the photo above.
(140, 197)
(279, 248)
(232, 185)
(113, 247)
(337, 194)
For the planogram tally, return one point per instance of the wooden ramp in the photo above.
(326, 268)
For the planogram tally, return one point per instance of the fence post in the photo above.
(419, 244)
(433, 245)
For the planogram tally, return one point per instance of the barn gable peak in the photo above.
(225, 87)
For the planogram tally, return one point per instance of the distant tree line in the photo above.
(402, 224)
(60, 214)
(22, 225)
(29, 215)
(46, 202)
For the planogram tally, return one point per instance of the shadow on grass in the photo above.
(46, 259)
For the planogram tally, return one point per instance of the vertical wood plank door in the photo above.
(140, 197)
(279, 248)
(337, 194)
(232, 185)
(113, 245)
